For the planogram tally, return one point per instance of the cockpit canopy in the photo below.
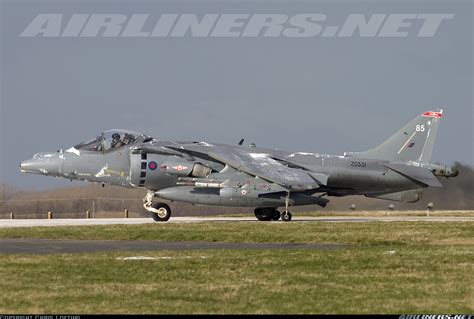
(110, 140)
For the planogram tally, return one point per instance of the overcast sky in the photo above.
(316, 94)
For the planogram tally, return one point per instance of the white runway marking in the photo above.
(8, 223)
(157, 258)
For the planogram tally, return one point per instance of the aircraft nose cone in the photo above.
(34, 166)
(46, 164)
(30, 165)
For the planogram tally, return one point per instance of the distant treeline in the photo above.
(73, 202)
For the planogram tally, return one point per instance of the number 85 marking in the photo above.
(420, 128)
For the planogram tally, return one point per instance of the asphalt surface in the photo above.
(44, 246)
(8, 223)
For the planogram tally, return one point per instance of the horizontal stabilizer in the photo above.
(420, 174)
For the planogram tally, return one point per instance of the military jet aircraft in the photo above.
(205, 173)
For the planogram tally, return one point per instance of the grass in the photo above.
(397, 267)
(372, 233)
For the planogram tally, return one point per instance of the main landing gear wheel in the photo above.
(286, 216)
(276, 215)
(162, 212)
(265, 214)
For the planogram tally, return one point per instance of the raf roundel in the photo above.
(152, 165)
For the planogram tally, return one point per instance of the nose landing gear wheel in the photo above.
(286, 216)
(162, 214)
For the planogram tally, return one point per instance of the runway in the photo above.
(44, 246)
(8, 223)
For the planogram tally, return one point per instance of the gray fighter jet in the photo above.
(204, 173)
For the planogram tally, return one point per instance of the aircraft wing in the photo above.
(258, 164)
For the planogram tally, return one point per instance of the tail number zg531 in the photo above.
(358, 164)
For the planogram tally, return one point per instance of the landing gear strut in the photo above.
(286, 216)
(160, 212)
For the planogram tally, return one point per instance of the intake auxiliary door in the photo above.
(139, 169)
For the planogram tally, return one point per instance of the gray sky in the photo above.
(326, 95)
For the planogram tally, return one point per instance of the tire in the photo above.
(276, 215)
(286, 217)
(264, 214)
(165, 212)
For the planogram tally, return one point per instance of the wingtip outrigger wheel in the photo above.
(160, 212)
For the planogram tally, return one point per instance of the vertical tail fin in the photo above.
(413, 142)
